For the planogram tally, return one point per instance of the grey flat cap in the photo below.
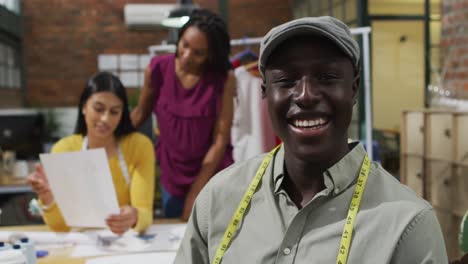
(325, 26)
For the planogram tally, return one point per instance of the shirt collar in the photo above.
(345, 171)
(337, 178)
(278, 169)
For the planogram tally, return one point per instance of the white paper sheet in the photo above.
(82, 186)
(47, 238)
(167, 238)
(129, 242)
(153, 258)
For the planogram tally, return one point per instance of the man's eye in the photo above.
(285, 82)
(328, 77)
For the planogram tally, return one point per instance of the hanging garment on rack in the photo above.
(251, 132)
(244, 57)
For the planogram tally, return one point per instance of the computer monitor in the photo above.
(22, 133)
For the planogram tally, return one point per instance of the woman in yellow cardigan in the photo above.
(104, 122)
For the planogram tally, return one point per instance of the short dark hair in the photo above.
(219, 45)
(105, 82)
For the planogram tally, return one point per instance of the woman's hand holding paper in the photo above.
(40, 184)
(120, 223)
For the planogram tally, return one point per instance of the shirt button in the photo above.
(287, 251)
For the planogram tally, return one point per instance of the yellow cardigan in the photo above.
(138, 153)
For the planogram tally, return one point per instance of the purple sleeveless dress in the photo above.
(186, 119)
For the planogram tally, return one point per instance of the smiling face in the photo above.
(192, 49)
(102, 112)
(311, 88)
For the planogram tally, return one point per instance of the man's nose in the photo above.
(307, 92)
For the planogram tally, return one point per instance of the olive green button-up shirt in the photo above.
(393, 225)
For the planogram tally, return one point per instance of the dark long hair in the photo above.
(105, 82)
(219, 46)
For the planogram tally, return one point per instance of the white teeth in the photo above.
(309, 123)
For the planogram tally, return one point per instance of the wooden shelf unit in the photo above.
(434, 163)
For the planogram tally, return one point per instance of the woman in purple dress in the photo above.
(191, 93)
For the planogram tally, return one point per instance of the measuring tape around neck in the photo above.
(343, 250)
(239, 214)
(349, 222)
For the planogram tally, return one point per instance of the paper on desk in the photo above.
(167, 237)
(158, 257)
(82, 186)
(43, 237)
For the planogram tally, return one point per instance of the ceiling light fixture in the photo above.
(179, 16)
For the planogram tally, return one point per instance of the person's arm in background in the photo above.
(216, 151)
(142, 186)
(422, 242)
(139, 213)
(145, 102)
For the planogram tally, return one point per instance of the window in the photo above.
(435, 28)
(338, 10)
(345, 10)
(130, 68)
(301, 9)
(10, 76)
(398, 8)
(12, 5)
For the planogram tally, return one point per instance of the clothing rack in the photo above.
(363, 31)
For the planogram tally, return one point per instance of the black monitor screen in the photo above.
(22, 133)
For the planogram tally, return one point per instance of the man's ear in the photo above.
(355, 88)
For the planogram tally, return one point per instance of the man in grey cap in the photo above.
(316, 198)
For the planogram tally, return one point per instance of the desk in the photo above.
(62, 255)
(11, 185)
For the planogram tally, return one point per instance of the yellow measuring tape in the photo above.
(239, 214)
(345, 243)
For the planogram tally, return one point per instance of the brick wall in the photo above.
(11, 98)
(62, 39)
(454, 48)
(255, 18)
